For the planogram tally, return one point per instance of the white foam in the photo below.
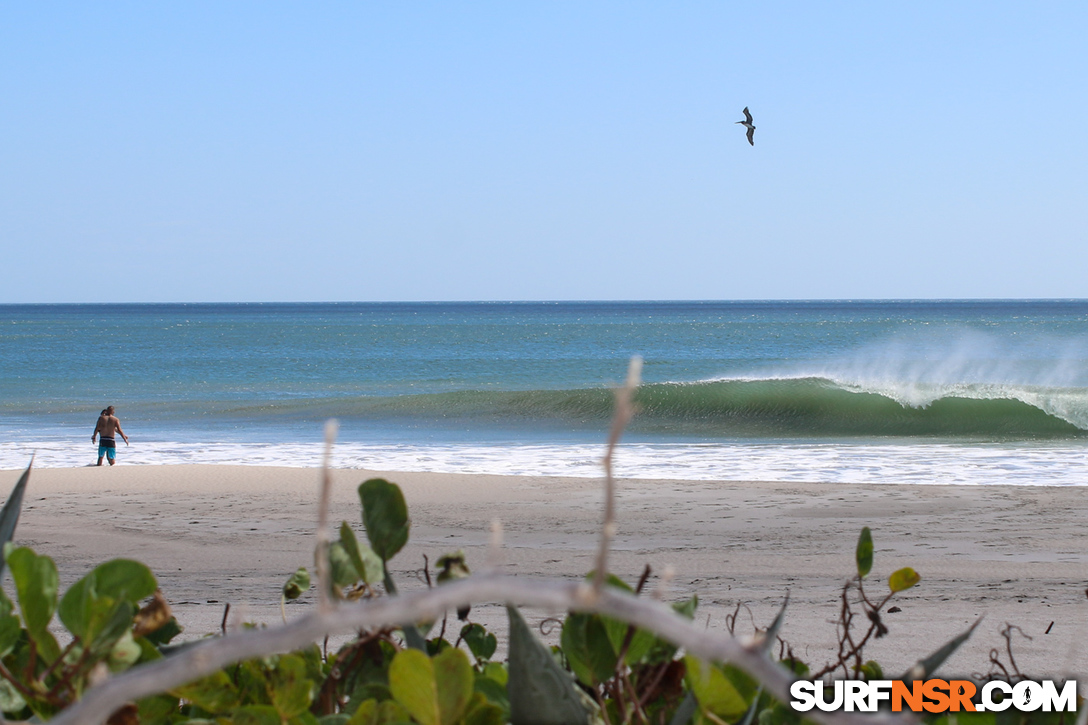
(1060, 464)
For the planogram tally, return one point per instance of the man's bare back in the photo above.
(108, 427)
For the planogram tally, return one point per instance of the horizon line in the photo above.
(779, 300)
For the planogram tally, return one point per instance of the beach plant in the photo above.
(106, 629)
(9, 514)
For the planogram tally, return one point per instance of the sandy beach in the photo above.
(232, 534)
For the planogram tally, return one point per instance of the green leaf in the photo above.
(616, 631)
(714, 691)
(10, 626)
(540, 691)
(36, 583)
(495, 671)
(588, 648)
(297, 584)
(157, 708)
(75, 607)
(454, 677)
(872, 670)
(412, 682)
(89, 602)
(125, 652)
(741, 681)
(385, 516)
(928, 665)
(256, 715)
(642, 643)
(480, 711)
(365, 714)
(452, 567)
(148, 651)
(9, 515)
(687, 607)
(780, 714)
(251, 681)
(341, 569)
(480, 642)
(436, 645)
(124, 579)
(865, 553)
(751, 714)
(903, 579)
(373, 712)
(367, 563)
(289, 687)
(112, 627)
(165, 633)
(10, 698)
(214, 693)
(611, 581)
(338, 719)
(493, 691)
(392, 712)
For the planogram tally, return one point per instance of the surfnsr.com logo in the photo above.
(933, 696)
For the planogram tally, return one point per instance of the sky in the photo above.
(285, 151)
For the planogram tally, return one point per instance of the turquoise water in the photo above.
(969, 392)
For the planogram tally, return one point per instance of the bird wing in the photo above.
(751, 133)
(747, 116)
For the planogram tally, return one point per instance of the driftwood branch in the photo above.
(321, 549)
(556, 595)
(625, 410)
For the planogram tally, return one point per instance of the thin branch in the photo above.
(554, 595)
(76, 641)
(494, 546)
(321, 551)
(625, 409)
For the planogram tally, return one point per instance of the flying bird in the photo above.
(747, 123)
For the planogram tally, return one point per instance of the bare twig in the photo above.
(646, 571)
(1006, 632)
(625, 409)
(667, 575)
(494, 546)
(548, 625)
(321, 551)
(207, 657)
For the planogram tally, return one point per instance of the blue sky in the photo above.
(279, 151)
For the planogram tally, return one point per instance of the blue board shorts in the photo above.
(107, 447)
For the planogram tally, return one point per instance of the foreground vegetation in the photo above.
(440, 672)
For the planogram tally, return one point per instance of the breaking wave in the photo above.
(802, 406)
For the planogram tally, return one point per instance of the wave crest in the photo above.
(810, 406)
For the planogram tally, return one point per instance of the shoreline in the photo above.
(216, 534)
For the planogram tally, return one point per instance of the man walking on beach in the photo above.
(108, 426)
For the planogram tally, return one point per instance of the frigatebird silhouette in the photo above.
(747, 123)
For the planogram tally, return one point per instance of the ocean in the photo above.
(927, 392)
